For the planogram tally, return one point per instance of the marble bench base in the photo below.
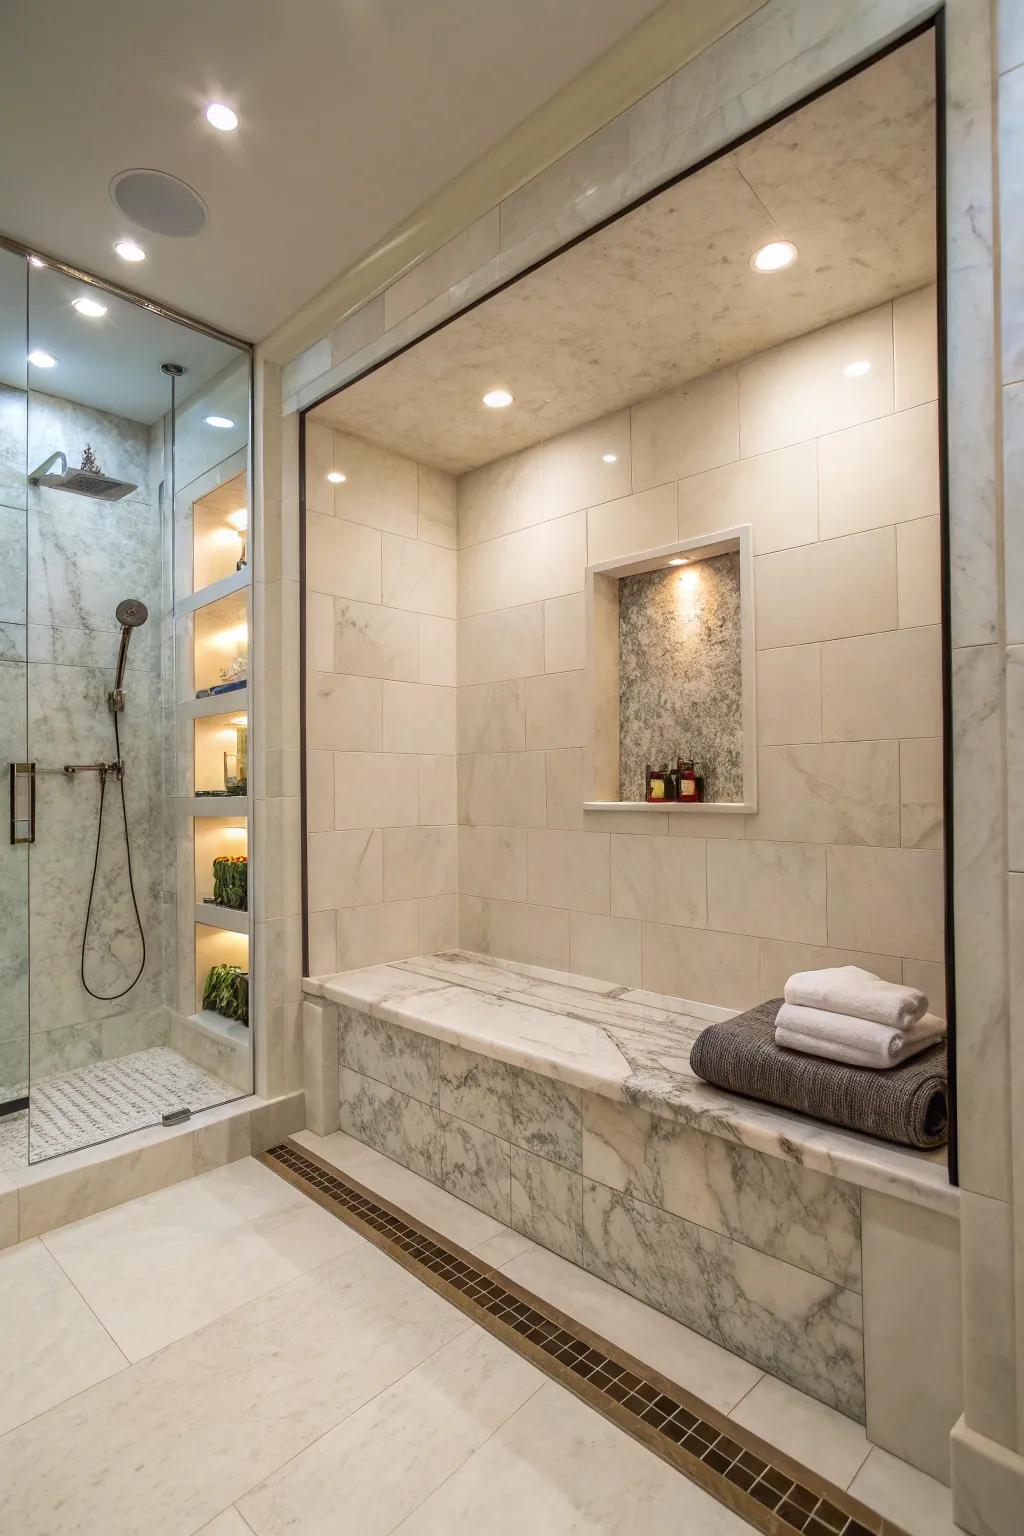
(765, 1257)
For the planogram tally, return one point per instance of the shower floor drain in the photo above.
(771, 1492)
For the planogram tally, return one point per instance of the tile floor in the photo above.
(109, 1098)
(224, 1357)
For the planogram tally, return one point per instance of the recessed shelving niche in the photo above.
(220, 531)
(219, 737)
(220, 641)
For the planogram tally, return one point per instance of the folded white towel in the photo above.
(848, 989)
(859, 1042)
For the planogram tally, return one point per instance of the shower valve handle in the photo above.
(115, 769)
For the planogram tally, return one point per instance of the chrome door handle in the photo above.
(23, 802)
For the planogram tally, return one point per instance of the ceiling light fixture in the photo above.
(858, 369)
(40, 359)
(90, 307)
(129, 250)
(776, 256)
(36, 261)
(497, 399)
(336, 477)
(221, 117)
(679, 560)
(609, 458)
(223, 422)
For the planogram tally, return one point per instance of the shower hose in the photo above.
(111, 997)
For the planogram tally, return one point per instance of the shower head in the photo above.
(81, 482)
(130, 613)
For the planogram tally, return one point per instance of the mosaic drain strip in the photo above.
(775, 1495)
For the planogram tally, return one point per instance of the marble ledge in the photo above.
(629, 1045)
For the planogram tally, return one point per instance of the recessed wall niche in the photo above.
(671, 652)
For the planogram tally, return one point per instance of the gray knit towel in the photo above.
(907, 1104)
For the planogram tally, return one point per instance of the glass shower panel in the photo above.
(18, 780)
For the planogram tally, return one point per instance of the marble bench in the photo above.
(566, 1108)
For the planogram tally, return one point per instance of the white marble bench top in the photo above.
(625, 1044)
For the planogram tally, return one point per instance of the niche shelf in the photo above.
(218, 946)
(220, 532)
(228, 918)
(236, 582)
(220, 634)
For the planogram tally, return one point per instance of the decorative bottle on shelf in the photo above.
(691, 787)
(657, 783)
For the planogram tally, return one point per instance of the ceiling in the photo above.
(666, 293)
(353, 113)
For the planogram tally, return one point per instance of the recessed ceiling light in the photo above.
(40, 359)
(219, 421)
(91, 307)
(336, 477)
(497, 399)
(679, 560)
(774, 257)
(36, 261)
(609, 458)
(858, 369)
(129, 250)
(222, 117)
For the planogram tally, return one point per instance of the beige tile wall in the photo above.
(839, 478)
(380, 669)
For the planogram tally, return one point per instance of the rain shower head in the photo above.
(81, 482)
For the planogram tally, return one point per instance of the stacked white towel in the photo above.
(848, 1014)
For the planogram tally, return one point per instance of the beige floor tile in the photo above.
(922, 1506)
(825, 1441)
(51, 1345)
(230, 1523)
(393, 1453)
(157, 1269)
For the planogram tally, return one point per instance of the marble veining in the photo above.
(624, 1044)
(680, 675)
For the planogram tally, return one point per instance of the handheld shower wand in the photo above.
(129, 614)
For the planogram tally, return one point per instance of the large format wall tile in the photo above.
(420, 861)
(545, 561)
(492, 717)
(475, 1166)
(776, 493)
(501, 497)
(418, 577)
(576, 474)
(885, 471)
(547, 1204)
(492, 862)
(513, 930)
(632, 524)
(806, 1218)
(568, 869)
(881, 898)
(605, 947)
(877, 686)
(380, 488)
(371, 641)
(799, 1327)
(493, 647)
(395, 1124)
(915, 345)
(538, 1114)
(836, 792)
(661, 879)
(556, 713)
(401, 1058)
(826, 591)
(690, 429)
(719, 968)
(345, 869)
(789, 695)
(776, 890)
(343, 558)
(502, 789)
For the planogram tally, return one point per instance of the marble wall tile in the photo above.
(808, 1219)
(343, 559)
(568, 869)
(358, 329)
(564, 634)
(420, 861)
(776, 890)
(492, 717)
(345, 869)
(777, 493)
(525, 567)
(719, 968)
(547, 1118)
(915, 347)
(323, 943)
(475, 1166)
(806, 1330)
(688, 430)
(502, 788)
(919, 572)
(599, 159)
(494, 647)
(368, 641)
(556, 714)
(913, 1362)
(418, 717)
(1011, 231)
(477, 1089)
(834, 792)
(632, 524)
(789, 695)
(564, 774)
(513, 930)
(881, 898)
(501, 497)
(417, 576)
(371, 935)
(372, 789)
(575, 474)
(884, 471)
(437, 515)
(320, 1066)
(437, 645)
(973, 520)
(380, 488)
(438, 801)
(492, 862)
(921, 793)
(466, 251)
(826, 591)
(798, 390)
(320, 630)
(437, 921)
(780, 960)
(1013, 501)
(343, 714)
(547, 1204)
(390, 1121)
(660, 879)
(400, 1058)
(885, 685)
(605, 947)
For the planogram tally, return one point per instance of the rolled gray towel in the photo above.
(906, 1104)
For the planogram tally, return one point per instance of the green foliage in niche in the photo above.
(231, 883)
(227, 992)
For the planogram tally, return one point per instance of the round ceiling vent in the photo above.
(159, 202)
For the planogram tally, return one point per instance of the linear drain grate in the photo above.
(774, 1494)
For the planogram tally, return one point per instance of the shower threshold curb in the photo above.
(773, 1493)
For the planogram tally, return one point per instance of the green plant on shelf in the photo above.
(227, 992)
(231, 883)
